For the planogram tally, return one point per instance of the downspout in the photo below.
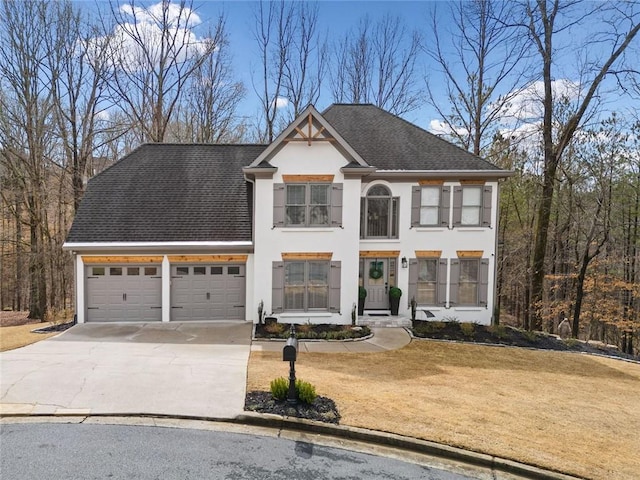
(495, 256)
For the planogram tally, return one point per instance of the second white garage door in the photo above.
(207, 292)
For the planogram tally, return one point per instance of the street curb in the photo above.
(373, 437)
(402, 442)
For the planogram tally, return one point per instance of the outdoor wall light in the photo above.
(404, 262)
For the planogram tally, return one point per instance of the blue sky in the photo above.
(337, 17)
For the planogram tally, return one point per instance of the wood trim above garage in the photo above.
(94, 259)
(208, 258)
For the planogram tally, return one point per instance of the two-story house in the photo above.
(350, 197)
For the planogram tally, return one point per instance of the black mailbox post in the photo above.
(290, 354)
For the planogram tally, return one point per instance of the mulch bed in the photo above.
(15, 319)
(323, 409)
(322, 331)
(506, 335)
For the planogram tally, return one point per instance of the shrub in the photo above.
(421, 327)
(362, 292)
(571, 342)
(500, 331)
(305, 391)
(395, 292)
(467, 329)
(274, 328)
(279, 388)
(304, 328)
(531, 335)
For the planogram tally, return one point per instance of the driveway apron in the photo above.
(196, 369)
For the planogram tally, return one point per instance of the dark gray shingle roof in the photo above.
(169, 192)
(391, 143)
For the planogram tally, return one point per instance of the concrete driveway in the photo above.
(195, 369)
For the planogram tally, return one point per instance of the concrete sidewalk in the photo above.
(383, 339)
(196, 369)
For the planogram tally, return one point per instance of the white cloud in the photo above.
(438, 127)
(176, 16)
(526, 105)
(280, 102)
(146, 27)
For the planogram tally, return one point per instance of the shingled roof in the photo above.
(388, 142)
(170, 192)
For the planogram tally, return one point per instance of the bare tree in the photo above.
(273, 32)
(79, 92)
(209, 113)
(306, 61)
(478, 64)
(543, 24)
(27, 109)
(376, 64)
(154, 52)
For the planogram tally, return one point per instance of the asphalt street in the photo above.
(93, 451)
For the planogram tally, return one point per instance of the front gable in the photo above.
(309, 129)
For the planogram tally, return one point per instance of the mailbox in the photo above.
(290, 350)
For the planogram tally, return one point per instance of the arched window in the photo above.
(379, 214)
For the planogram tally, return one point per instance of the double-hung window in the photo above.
(471, 205)
(430, 205)
(468, 281)
(307, 205)
(427, 288)
(312, 204)
(306, 285)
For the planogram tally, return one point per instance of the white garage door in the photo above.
(124, 293)
(207, 292)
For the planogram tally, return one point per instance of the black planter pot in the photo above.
(395, 305)
(361, 306)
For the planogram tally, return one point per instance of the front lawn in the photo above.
(559, 410)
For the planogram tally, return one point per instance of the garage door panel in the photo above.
(123, 293)
(207, 292)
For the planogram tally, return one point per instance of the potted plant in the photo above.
(362, 296)
(394, 299)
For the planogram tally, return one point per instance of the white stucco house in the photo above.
(353, 196)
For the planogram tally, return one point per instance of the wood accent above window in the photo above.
(430, 181)
(473, 181)
(93, 259)
(469, 253)
(307, 178)
(379, 253)
(428, 253)
(307, 255)
(208, 258)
